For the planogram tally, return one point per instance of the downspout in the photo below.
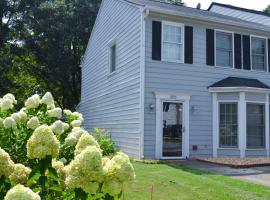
(144, 15)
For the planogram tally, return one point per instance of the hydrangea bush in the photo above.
(46, 154)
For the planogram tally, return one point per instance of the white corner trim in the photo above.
(267, 124)
(242, 124)
(142, 82)
(215, 124)
(238, 89)
(177, 98)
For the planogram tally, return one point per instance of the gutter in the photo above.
(208, 19)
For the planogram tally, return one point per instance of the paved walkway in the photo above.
(259, 175)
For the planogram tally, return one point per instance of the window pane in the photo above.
(224, 49)
(258, 46)
(255, 126)
(172, 34)
(228, 125)
(172, 51)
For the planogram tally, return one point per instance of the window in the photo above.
(228, 125)
(224, 49)
(112, 58)
(255, 125)
(258, 52)
(172, 42)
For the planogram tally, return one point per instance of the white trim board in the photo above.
(177, 98)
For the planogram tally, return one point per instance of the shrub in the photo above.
(46, 154)
(104, 140)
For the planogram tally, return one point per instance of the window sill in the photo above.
(229, 148)
(258, 149)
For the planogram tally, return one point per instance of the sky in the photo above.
(250, 4)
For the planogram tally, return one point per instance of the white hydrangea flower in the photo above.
(118, 170)
(32, 102)
(67, 112)
(11, 97)
(48, 100)
(33, 123)
(58, 127)
(85, 140)
(86, 169)
(9, 123)
(23, 116)
(76, 123)
(59, 167)
(20, 174)
(16, 117)
(66, 126)
(79, 116)
(42, 143)
(6, 104)
(19, 192)
(74, 136)
(6, 164)
(55, 112)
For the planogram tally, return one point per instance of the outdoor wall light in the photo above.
(151, 106)
(194, 110)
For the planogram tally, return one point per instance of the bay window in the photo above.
(228, 125)
(255, 125)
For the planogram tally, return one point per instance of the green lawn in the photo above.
(174, 182)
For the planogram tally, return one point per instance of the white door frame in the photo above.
(175, 98)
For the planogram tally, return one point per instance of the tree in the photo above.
(267, 9)
(175, 2)
(41, 46)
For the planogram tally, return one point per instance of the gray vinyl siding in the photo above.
(228, 152)
(252, 17)
(112, 101)
(188, 79)
(228, 96)
(255, 97)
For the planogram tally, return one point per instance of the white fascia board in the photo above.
(208, 19)
(239, 89)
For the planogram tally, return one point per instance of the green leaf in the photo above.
(53, 174)
(56, 188)
(33, 177)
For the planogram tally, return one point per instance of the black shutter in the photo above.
(269, 55)
(210, 47)
(237, 51)
(156, 40)
(246, 52)
(189, 44)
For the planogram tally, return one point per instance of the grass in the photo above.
(174, 182)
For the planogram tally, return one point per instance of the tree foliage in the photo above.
(41, 46)
(267, 9)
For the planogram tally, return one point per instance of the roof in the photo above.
(239, 8)
(239, 82)
(205, 15)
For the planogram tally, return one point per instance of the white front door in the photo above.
(172, 126)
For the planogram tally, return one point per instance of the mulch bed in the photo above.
(238, 162)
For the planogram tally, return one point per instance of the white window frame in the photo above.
(228, 102)
(182, 26)
(266, 53)
(110, 45)
(215, 50)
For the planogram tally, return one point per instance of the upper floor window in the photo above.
(172, 42)
(258, 53)
(224, 49)
(112, 57)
